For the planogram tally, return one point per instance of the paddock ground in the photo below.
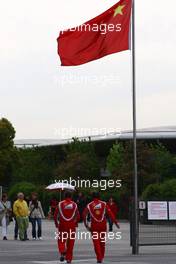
(45, 251)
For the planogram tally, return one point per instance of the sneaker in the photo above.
(40, 238)
(4, 238)
(34, 238)
(62, 258)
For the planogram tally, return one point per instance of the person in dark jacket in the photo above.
(81, 203)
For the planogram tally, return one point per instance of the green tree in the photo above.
(26, 187)
(7, 151)
(154, 163)
(116, 157)
(80, 161)
(152, 192)
(168, 189)
(36, 165)
(164, 191)
(163, 161)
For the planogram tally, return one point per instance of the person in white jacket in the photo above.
(5, 212)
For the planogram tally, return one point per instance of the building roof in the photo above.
(145, 133)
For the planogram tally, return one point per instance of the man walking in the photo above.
(21, 211)
(98, 210)
(68, 213)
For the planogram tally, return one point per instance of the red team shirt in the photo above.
(98, 211)
(68, 214)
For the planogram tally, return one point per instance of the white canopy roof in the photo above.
(146, 133)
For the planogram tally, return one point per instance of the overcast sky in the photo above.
(43, 99)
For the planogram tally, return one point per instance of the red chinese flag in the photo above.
(106, 34)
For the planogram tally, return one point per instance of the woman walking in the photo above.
(5, 213)
(36, 215)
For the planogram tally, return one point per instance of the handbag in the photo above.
(31, 213)
(7, 215)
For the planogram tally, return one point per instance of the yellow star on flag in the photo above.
(118, 10)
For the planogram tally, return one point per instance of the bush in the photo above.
(25, 187)
(164, 191)
(168, 190)
(152, 192)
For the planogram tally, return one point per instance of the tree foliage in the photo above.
(116, 157)
(154, 163)
(80, 161)
(163, 191)
(26, 187)
(36, 165)
(7, 151)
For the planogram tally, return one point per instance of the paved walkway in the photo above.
(45, 252)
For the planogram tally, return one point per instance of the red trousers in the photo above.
(98, 238)
(66, 242)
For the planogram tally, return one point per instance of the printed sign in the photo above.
(172, 210)
(157, 211)
(142, 205)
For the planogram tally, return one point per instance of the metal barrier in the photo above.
(157, 223)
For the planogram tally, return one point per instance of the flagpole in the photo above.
(135, 224)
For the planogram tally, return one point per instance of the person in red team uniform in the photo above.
(98, 210)
(53, 205)
(114, 209)
(68, 214)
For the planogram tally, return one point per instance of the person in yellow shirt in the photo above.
(21, 211)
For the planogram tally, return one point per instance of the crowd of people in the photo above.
(67, 214)
(82, 202)
(21, 212)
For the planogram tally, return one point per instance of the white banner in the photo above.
(157, 211)
(172, 210)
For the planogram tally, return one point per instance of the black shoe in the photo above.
(99, 261)
(62, 258)
(4, 238)
(23, 239)
(15, 238)
(68, 261)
